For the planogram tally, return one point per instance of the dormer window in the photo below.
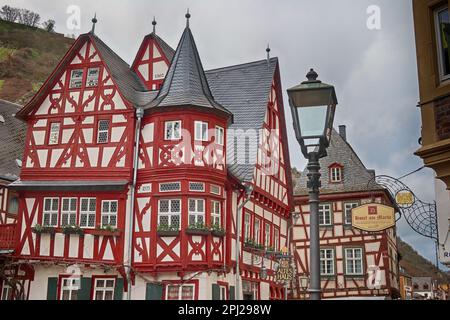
(76, 79)
(336, 173)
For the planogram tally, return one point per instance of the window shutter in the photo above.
(154, 291)
(215, 292)
(52, 288)
(232, 293)
(118, 290)
(84, 293)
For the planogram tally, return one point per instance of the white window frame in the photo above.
(51, 212)
(180, 290)
(201, 131)
(247, 226)
(6, 293)
(196, 213)
(324, 213)
(328, 269)
(257, 231)
(92, 81)
(267, 241)
(70, 213)
(178, 184)
(223, 292)
(348, 206)
(102, 131)
(352, 262)
(72, 287)
(175, 135)
(55, 132)
(73, 80)
(276, 236)
(170, 214)
(109, 214)
(220, 135)
(336, 174)
(192, 183)
(89, 213)
(219, 189)
(104, 289)
(442, 77)
(216, 213)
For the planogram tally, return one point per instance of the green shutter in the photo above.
(154, 291)
(84, 293)
(118, 290)
(232, 293)
(52, 288)
(215, 292)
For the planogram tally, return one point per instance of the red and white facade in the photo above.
(78, 170)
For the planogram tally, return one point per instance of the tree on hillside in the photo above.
(10, 14)
(49, 25)
(29, 18)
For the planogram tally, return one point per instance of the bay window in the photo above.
(201, 131)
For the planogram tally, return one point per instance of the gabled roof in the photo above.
(12, 141)
(244, 90)
(355, 175)
(167, 50)
(185, 83)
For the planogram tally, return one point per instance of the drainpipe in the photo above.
(139, 115)
(248, 191)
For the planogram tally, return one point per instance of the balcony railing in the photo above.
(7, 232)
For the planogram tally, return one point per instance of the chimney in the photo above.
(343, 132)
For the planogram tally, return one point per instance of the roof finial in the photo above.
(268, 52)
(188, 16)
(154, 25)
(94, 21)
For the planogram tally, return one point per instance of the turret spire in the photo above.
(188, 16)
(268, 52)
(94, 21)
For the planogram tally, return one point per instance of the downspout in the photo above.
(248, 191)
(139, 115)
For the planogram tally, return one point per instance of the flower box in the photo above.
(43, 230)
(168, 233)
(106, 233)
(73, 230)
(198, 232)
(218, 233)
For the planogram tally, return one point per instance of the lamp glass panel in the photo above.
(312, 120)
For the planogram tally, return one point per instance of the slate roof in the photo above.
(12, 140)
(185, 83)
(355, 175)
(244, 90)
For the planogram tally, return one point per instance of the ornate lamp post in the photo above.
(313, 105)
(304, 284)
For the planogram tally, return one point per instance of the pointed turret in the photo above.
(185, 83)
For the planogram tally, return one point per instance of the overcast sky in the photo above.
(374, 71)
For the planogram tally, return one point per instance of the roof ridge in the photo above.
(13, 104)
(273, 59)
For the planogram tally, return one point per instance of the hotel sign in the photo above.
(373, 217)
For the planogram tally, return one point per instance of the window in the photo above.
(50, 215)
(215, 189)
(54, 133)
(325, 215)
(104, 289)
(169, 213)
(267, 235)
(196, 186)
(196, 212)
(76, 79)
(169, 187)
(247, 229)
(180, 292)
(326, 262)
(92, 77)
(215, 213)
(276, 239)
(13, 204)
(69, 288)
(69, 212)
(172, 130)
(336, 174)
(353, 261)
(442, 26)
(250, 290)
(348, 206)
(220, 136)
(103, 131)
(257, 231)
(223, 291)
(87, 212)
(426, 287)
(201, 131)
(109, 213)
(7, 292)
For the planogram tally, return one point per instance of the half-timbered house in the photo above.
(133, 177)
(353, 263)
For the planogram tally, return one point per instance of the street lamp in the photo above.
(313, 104)
(304, 283)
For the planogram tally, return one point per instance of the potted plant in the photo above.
(249, 244)
(39, 229)
(73, 229)
(259, 246)
(198, 228)
(217, 230)
(106, 230)
(165, 230)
